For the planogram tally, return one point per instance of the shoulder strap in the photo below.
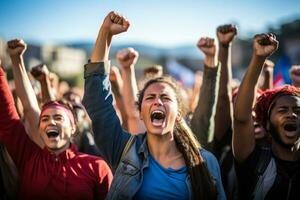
(127, 147)
(262, 164)
(263, 161)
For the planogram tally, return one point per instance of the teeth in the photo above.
(52, 131)
(157, 111)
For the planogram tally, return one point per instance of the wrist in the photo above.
(225, 45)
(209, 61)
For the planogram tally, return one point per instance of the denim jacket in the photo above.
(111, 138)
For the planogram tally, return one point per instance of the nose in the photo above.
(52, 121)
(292, 114)
(158, 102)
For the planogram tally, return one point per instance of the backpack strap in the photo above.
(127, 147)
(263, 162)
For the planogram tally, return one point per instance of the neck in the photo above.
(283, 153)
(60, 150)
(164, 150)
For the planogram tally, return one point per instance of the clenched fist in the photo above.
(295, 75)
(115, 23)
(226, 33)
(265, 44)
(16, 47)
(207, 46)
(40, 72)
(127, 57)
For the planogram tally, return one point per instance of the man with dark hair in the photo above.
(267, 173)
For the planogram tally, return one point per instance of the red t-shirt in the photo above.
(42, 174)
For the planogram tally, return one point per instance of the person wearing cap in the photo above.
(57, 171)
(267, 173)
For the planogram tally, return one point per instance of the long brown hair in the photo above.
(202, 184)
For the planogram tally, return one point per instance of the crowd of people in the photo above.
(151, 138)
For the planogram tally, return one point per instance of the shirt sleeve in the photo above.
(109, 135)
(202, 122)
(214, 169)
(12, 130)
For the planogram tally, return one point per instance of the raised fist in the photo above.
(295, 75)
(207, 46)
(226, 33)
(16, 47)
(127, 57)
(265, 44)
(115, 23)
(40, 72)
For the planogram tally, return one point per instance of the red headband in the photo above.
(61, 107)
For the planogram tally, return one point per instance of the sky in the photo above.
(162, 23)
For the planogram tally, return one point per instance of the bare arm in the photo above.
(117, 88)
(268, 75)
(41, 73)
(24, 90)
(224, 111)
(127, 59)
(243, 135)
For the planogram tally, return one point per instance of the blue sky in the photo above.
(163, 23)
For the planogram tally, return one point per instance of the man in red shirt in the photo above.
(57, 171)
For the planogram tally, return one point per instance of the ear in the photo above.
(179, 116)
(141, 117)
(73, 130)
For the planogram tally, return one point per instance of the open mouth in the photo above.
(290, 127)
(158, 117)
(52, 133)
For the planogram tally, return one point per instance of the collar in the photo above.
(143, 149)
(64, 156)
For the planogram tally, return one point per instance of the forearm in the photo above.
(47, 93)
(247, 90)
(202, 122)
(224, 111)
(268, 80)
(24, 88)
(130, 91)
(102, 46)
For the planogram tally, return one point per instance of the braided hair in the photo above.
(202, 183)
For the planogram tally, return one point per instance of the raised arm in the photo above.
(24, 90)
(117, 89)
(202, 122)
(127, 59)
(267, 74)
(243, 136)
(41, 73)
(109, 135)
(224, 112)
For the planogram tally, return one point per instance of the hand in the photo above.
(226, 33)
(115, 23)
(295, 75)
(40, 72)
(127, 57)
(264, 44)
(207, 46)
(16, 47)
